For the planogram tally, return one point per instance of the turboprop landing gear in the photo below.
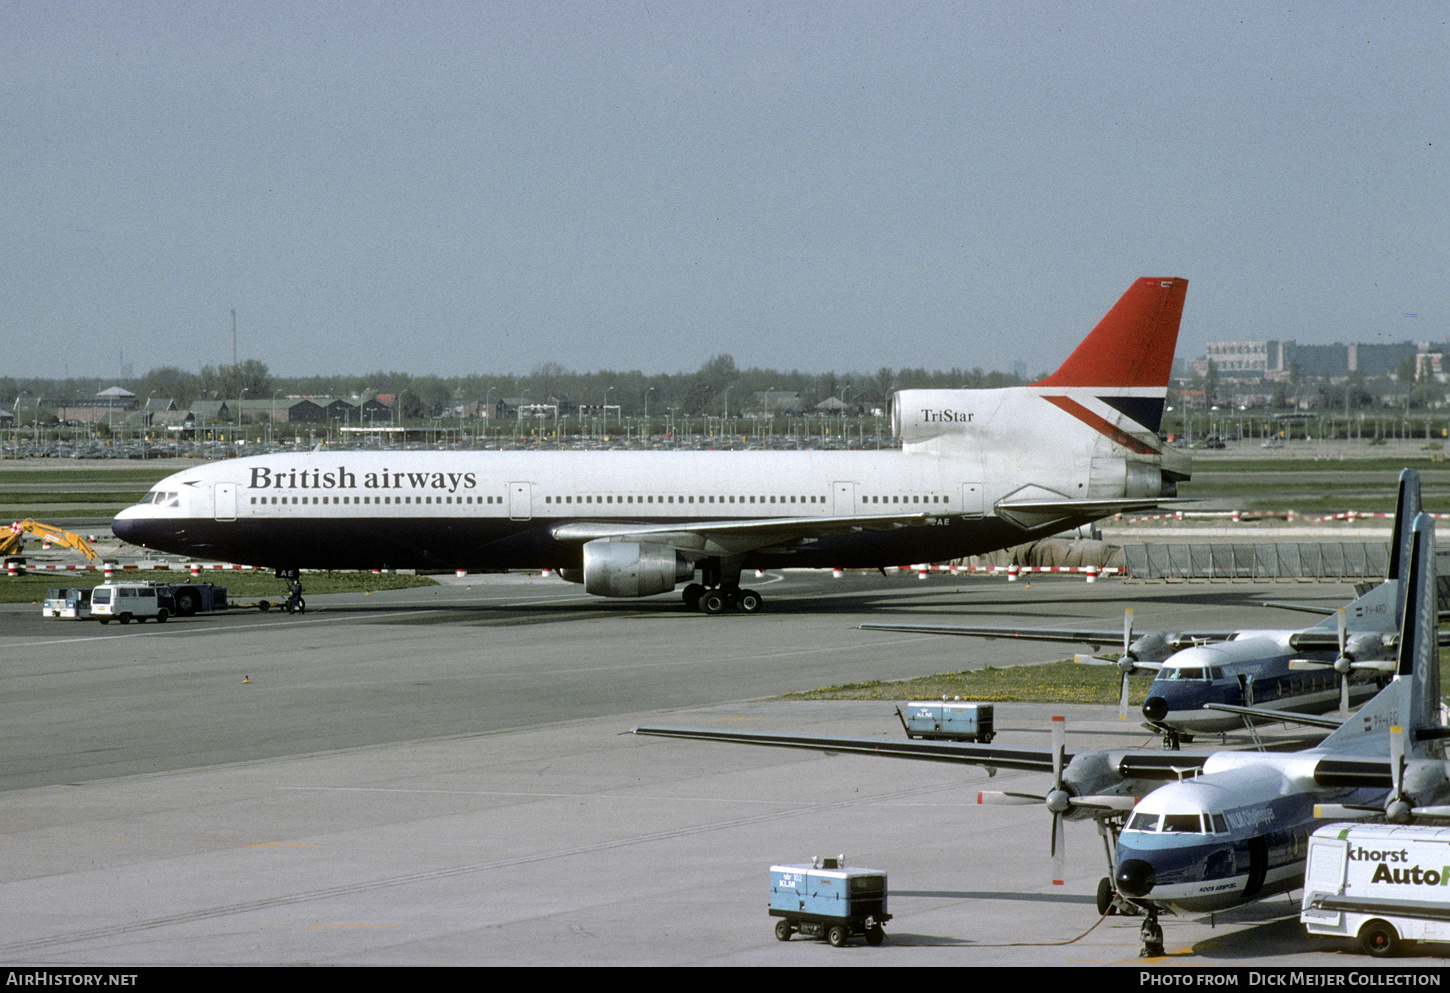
(1151, 934)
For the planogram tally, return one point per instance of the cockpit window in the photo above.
(1195, 672)
(1178, 823)
(1143, 822)
(1182, 824)
(161, 498)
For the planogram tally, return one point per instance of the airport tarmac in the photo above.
(441, 777)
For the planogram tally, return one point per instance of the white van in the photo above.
(131, 601)
(1381, 883)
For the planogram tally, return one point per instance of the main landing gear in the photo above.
(720, 590)
(722, 599)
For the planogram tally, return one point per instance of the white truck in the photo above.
(1381, 883)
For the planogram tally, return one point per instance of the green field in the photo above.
(1064, 681)
(1053, 682)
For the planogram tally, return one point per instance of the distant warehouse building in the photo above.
(1269, 359)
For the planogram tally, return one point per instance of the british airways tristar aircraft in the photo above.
(1228, 827)
(978, 470)
(1213, 681)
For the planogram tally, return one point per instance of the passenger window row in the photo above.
(899, 498)
(673, 499)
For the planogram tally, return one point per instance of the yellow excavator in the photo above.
(12, 539)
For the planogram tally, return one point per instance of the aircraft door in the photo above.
(521, 501)
(1258, 865)
(226, 502)
(972, 500)
(844, 502)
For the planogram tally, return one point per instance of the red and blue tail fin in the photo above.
(1127, 359)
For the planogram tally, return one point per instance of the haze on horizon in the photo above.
(456, 188)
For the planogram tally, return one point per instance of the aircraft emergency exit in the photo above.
(977, 470)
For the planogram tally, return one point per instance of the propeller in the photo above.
(1059, 800)
(1398, 807)
(1128, 662)
(1341, 666)
(1345, 663)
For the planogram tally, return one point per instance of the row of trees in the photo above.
(706, 391)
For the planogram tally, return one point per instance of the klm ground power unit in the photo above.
(826, 899)
(948, 720)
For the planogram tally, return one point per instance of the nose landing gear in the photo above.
(294, 603)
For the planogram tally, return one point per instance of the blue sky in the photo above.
(485, 187)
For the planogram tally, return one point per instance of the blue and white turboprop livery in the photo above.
(978, 470)
(1227, 827)
(1215, 681)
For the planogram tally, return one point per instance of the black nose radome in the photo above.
(1135, 877)
(1155, 708)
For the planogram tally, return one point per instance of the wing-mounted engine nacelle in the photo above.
(632, 569)
(1091, 773)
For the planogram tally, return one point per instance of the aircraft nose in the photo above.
(1135, 877)
(1155, 708)
(124, 527)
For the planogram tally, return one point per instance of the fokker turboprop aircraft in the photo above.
(977, 470)
(1228, 827)
(1209, 682)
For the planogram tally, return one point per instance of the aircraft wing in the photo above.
(1288, 716)
(1081, 636)
(1029, 759)
(769, 528)
(1128, 765)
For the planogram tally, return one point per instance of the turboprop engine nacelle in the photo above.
(632, 569)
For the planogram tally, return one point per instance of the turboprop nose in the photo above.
(1135, 877)
(1155, 708)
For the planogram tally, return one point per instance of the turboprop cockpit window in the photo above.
(1143, 822)
(1183, 824)
(1194, 672)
